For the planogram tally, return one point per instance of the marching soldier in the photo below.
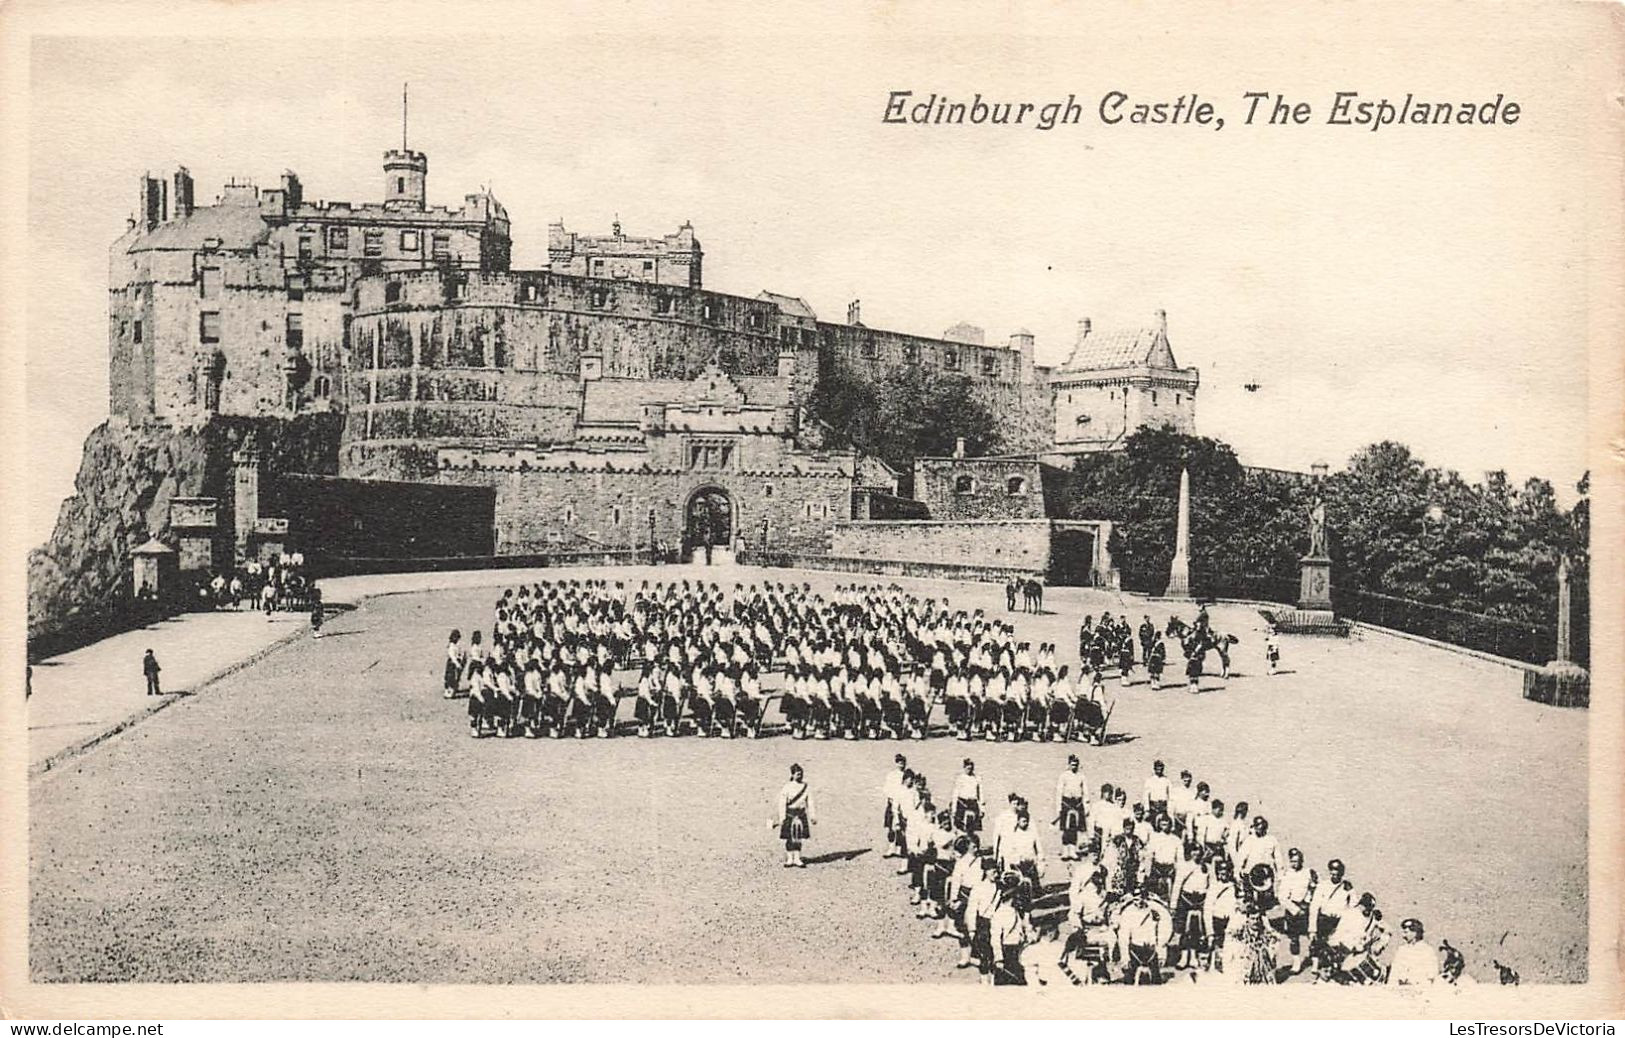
(1070, 790)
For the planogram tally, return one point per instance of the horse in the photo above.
(1033, 596)
(1203, 640)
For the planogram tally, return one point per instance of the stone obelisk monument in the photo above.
(1179, 575)
(1562, 682)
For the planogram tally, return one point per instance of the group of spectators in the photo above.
(1160, 886)
(278, 584)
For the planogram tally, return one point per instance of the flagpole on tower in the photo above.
(403, 116)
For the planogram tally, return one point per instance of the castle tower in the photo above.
(406, 175)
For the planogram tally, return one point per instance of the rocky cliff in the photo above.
(79, 581)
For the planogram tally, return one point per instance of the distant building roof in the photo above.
(154, 547)
(217, 226)
(1146, 347)
(792, 305)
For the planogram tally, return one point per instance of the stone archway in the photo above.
(708, 526)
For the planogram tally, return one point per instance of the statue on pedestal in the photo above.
(1317, 530)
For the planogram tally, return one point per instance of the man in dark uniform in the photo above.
(149, 667)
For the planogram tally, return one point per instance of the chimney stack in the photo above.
(154, 207)
(852, 312)
(1083, 329)
(183, 193)
(1162, 321)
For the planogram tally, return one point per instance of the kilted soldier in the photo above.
(979, 905)
(1062, 694)
(917, 706)
(1331, 901)
(1210, 831)
(1148, 637)
(794, 816)
(1272, 651)
(750, 704)
(1009, 931)
(1157, 791)
(1295, 887)
(940, 857)
(967, 869)
(1022, 852)
(724, 711)
(646, 708)
(891, 792)
(1156, 661)
(1125, 661)
(531, 707)
(968, 800)
(605, 697)
(1163, 851)
(1191, 884)
(1143, 930)
(1070, 790)
(476, 698)
(1193, 669)
(672, 700)
(454, 663)
(558, 699)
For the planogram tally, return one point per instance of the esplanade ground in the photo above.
(322, 814)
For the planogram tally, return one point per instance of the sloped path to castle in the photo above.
(323, 815)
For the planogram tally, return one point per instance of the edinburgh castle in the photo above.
(608, 402)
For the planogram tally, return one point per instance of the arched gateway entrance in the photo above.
(708, 527)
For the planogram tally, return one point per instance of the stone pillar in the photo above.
(1564, 645)
(246, 502)
(1179, 575)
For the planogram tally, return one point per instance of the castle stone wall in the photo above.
(1001, 544)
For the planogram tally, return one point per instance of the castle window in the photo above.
(868, 349)
(1015, 486)
(372, 243)
(829, 336)
(708, 311)
(209, 282)
(409, 241)
(787, 335)
(664, 304)
(950, 359)
(1179, 398)
(756, 322)
(135, 330)
(767, 490)
(808, 338)
(296, 289)
(597, 266)
(441, 246)
(392, 292)
(296, 331)
(599, 298)
(990, 364)
(323, 387)
(648, 265)
(338, 238)
(911, 352)
(615, 515)
(400, 185)
(964, 485)
(1153, 397)
(209, 327)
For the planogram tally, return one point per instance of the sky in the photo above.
(1420, 284)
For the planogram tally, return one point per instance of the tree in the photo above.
(911, 413)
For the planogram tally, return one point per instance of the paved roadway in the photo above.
(323, 815)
